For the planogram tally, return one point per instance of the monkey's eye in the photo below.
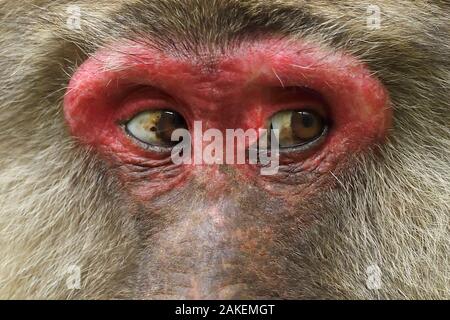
(297, 127)
(155, 127)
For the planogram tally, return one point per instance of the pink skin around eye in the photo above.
(242, 88)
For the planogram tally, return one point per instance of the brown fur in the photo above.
(59, 206)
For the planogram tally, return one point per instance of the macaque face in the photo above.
(355, 204)
(240, 89)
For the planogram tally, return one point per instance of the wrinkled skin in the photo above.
(74, 190)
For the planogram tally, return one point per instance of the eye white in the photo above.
(143, 126)
(282, 123)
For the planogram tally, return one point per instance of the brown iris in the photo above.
(155, 127)
(297, 127)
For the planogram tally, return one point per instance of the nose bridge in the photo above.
(210, 253)
(222, 148)
(219, 105)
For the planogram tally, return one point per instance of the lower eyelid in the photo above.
(308, 145)
(144, 145)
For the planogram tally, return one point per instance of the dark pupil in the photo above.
(301, 120)
(168, 122)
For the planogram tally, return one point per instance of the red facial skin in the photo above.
(242, 88)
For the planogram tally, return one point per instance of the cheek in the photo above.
(241, 91)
